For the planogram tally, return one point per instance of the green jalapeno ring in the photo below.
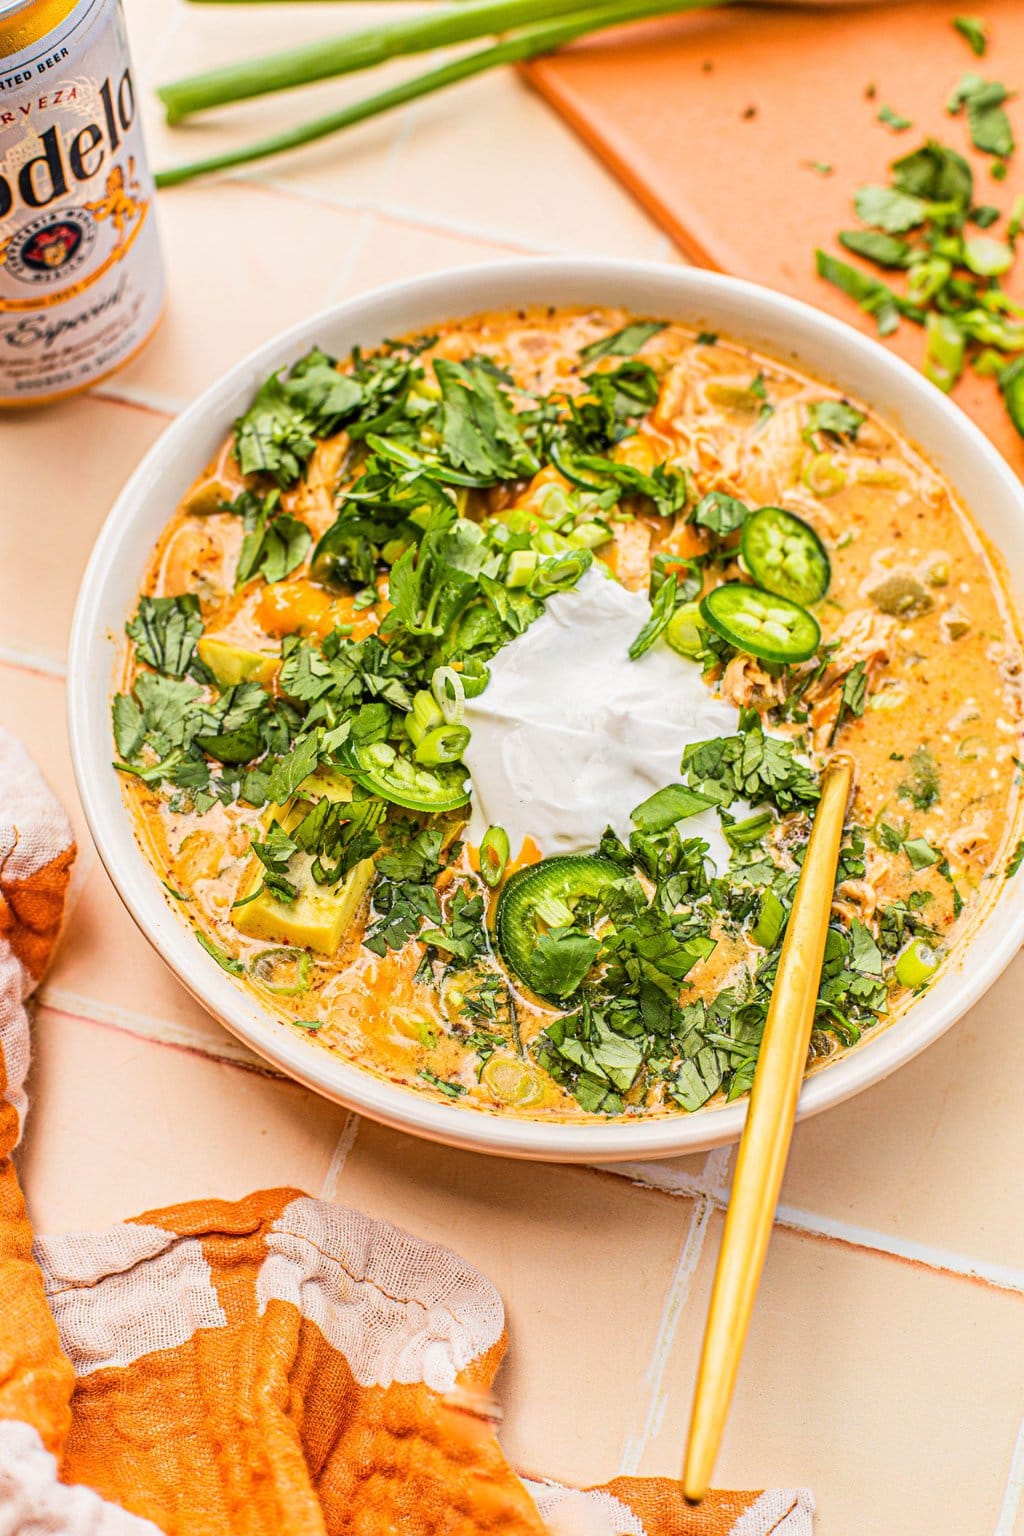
(414, 786)
(547, 891)
(764, 624)
(784, 555)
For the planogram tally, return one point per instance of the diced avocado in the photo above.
(317, 919)
(319, 916)
(231, 664)
(207, 495)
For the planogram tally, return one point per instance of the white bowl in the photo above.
(778, 325)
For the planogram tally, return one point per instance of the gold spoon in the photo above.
(764, 1147)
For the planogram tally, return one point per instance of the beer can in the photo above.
(81, 281)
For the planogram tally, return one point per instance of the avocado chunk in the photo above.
(319, 916)
(317, 919)
(231, 664)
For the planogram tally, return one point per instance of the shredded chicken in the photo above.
(632, 555)
(863, 636)
(856, 898)
(313, 499)
(746, 683)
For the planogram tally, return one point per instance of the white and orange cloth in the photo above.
(277, 1366)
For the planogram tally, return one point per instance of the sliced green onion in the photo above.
(494, 852)
(824, 476)
(685, 631)
(183, 97)
(590, 535)
(550, 542)
(769, 921)
(444, 744)
(560, 573)
(283, 971)
(521, 565)
(512, 1081)
(423, 717)
(944, 361)
(446, 686)
(741, 834)
(987, 257)
(917, 964)
(972, 749)
(309, 1024)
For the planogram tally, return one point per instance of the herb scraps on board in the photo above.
(929, 225)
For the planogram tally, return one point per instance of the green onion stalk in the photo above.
(354, 51)
(511, 50)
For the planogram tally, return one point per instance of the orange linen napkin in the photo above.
(271, 1367)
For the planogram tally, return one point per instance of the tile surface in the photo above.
(876, 1372)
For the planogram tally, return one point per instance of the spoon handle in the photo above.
(768, 1131)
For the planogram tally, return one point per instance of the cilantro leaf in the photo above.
(720, 513)
(129, 729)
(874, 297)
(935, 173)
(624, 343)
(479, 429)
(835, 418)
(921, 853)
(894, 120)
(890, 209)
(884, 250)
(921, 787)
(562, 957)
(974, 32)
(165, 631)
(225, 961)
(667, 806)
(988, 123)
(273, 545)
(290, 771)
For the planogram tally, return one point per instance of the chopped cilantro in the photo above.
(921, 787)
(987, 121)
(835, 418)
(894, 120)
(974, 32)
(165, 631)
(225, 961)
(624, 343)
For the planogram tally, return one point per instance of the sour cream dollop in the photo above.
(570, 735)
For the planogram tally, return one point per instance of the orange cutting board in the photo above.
(713, 121)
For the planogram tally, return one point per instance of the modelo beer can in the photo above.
(81, 283)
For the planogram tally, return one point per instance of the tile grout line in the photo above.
(1013, 1495)
(366, 224)
(142, 399)
(346, 1141)
(403, 213)
(33, 661)
(710, 1185)
(676, 1297)
(157, 1031)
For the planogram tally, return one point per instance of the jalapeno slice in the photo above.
(785, 556)
(543, 896)
(415, 787)
(763, 624)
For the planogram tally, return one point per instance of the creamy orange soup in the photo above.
(389, 542)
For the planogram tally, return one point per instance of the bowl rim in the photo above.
(95, 645)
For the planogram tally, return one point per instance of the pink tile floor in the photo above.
(886, 1364)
